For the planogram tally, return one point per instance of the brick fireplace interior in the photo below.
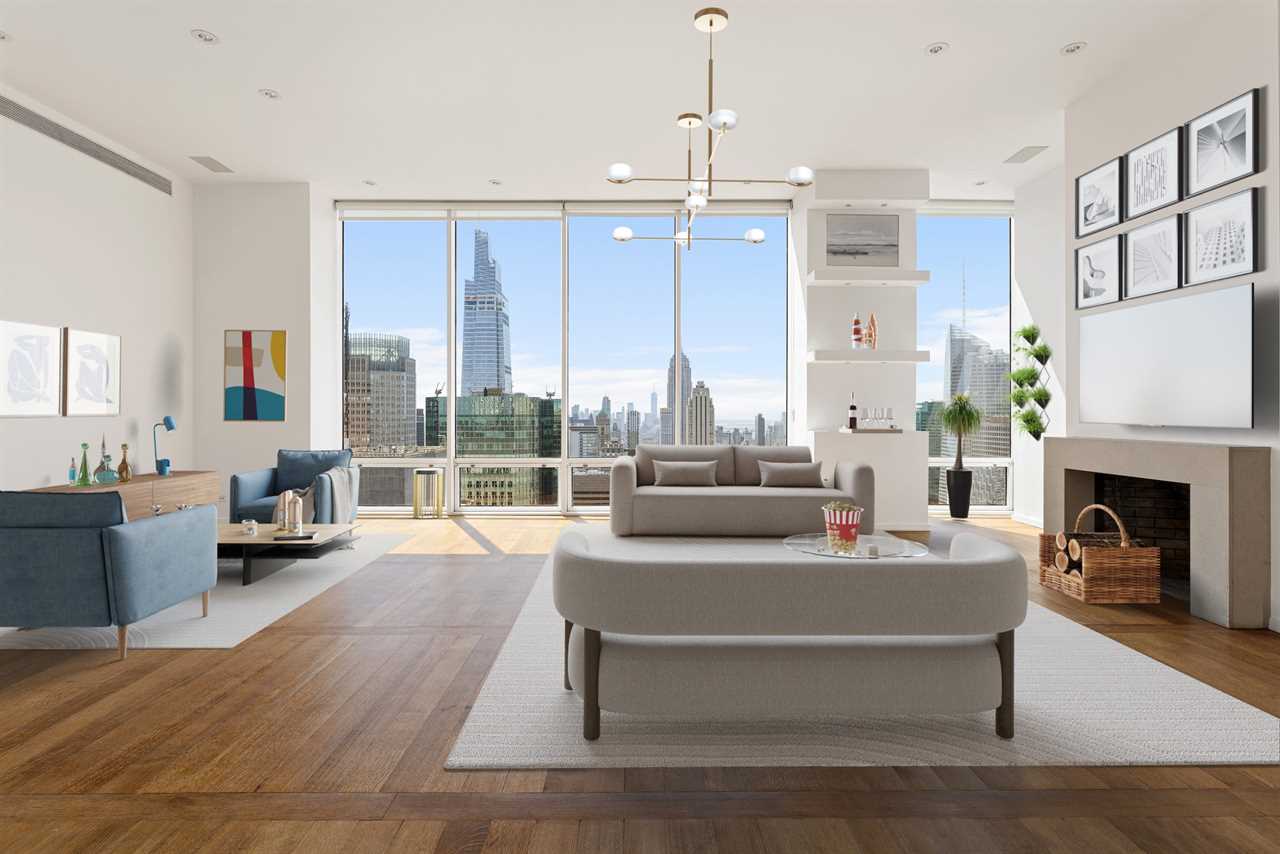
(1157, 512)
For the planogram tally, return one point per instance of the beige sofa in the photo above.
(737, 506)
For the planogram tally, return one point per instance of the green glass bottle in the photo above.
(83, 479)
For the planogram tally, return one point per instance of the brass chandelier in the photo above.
(719, 122)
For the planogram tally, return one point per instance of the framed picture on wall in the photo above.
(1223, 144)
(1153, 258)
(1153, 174)
(93, 373)
(30, 370)
(1098, 198)
(1222, 239)
(862, 240)
(253, 374)
(1098, 273)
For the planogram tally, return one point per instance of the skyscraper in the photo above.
(380, 394)
(686, 382)
(760, 428)
(633, 430)
(653, 405)
(974, 368)
(486, 326)
(701, 417)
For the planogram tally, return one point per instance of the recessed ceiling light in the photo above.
(269, 94)
(1073, 48)
(497, 182)
(937, 48)
(981, 183)
(369, 182)
(204, 36)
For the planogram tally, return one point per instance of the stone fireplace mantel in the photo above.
(1230, 511)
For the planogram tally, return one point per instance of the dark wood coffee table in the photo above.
(264, 552)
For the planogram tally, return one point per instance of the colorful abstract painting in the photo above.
(93, 373)
(30, 370)
(253, 370)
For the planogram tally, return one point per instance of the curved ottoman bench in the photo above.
(737, 628)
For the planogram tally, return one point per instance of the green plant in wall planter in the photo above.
(1031, 395)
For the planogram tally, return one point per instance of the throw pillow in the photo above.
(790, 474)
(671, 473)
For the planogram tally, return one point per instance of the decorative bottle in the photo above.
(82, 479)
(103, 463)
(853, 412)
(124, 470)
(855, 333)
(71, 472)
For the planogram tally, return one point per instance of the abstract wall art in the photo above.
(1154, 174)
(93, 373)
(1223, 143)
(1098, 273)
(1221, 238)
(1153, 262)
(253, 375)
(30, 370)
(862, 240)
(1098, 198)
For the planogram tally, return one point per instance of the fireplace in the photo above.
(1157, 512)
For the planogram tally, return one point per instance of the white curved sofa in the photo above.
(732, 628)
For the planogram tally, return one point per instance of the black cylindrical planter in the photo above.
(959, 487)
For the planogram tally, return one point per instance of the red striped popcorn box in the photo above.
(842, 528)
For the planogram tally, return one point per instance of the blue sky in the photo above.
(620, 303)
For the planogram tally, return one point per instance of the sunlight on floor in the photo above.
(476, 535)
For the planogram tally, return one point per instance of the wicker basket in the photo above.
(1114, 570)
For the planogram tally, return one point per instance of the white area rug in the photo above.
(1081, 699)
(236, 612)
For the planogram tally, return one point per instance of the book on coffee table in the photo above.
(306, 535)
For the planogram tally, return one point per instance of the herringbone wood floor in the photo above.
(328, 731)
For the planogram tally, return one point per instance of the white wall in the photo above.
(87, 246)
(253, 257)
(1038, 282)
(1236, 49)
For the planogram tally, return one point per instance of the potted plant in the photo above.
(1030, 395)
(961, 418)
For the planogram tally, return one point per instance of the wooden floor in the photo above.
(328, 730)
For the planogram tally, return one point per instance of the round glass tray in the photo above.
(885, 546)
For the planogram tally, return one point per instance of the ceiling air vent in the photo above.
(211, 163)
(1022, 155)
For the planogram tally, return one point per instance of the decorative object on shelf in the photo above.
(1153, 173)
(873, 332)
(1223, 144)
(1105, 568)
(961, 417)
(1153, 258)
(1221, 238)
(1098, 273)
(1098, 198)
(83, 479)
(853, 412)
(102, 461)
(862, 240)
(169, 425)
(30, 370)
(857, 338)
(1031, 395)
(108, 474)
(842, 520)
(254, 374)
(698, 191)
(92, 385)
(71, 472)
(156, 509)
(124, 471)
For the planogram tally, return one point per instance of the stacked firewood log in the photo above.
(1067, 558)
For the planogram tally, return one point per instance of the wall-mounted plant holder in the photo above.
(1031, 395)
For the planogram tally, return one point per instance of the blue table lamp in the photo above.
(162, 466)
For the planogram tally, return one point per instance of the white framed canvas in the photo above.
(1098, 198)
(30, 370)
(1221, 238)
(1098, 272)
(93, 373)
(1152, 258)
(1153, 174)
(862, 240)
(1223, 144)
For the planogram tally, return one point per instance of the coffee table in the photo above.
(263, 551)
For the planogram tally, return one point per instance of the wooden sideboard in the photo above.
(144, 490)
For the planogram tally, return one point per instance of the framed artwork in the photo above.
(1153, 174)
(253, 375)
(862, 240)
(1098, 198)
(30, 370)
(1153, 258)
(93, 373)
(1221, 238)
(1223, 144)
(1098, 272)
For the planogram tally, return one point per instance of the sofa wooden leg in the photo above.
(1004, 714)
(568, 632)
(122, 641)
(591, 684)
(204, 603)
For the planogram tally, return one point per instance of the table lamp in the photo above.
(162, 466)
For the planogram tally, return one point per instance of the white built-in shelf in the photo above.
(867, 357)
(862, 277)
(845, 431)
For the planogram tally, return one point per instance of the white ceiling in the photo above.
(432, 99)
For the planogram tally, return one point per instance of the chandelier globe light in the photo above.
(700, 189)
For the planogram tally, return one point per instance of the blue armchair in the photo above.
(73, 560)
(253, 494)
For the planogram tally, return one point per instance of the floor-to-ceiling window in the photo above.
(561, 348)
(964, 321)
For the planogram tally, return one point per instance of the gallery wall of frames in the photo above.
(1214, 241)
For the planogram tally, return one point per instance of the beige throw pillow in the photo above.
(790, 474)
(671, 473)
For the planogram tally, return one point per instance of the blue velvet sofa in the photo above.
(253, 494)
(74, 560)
